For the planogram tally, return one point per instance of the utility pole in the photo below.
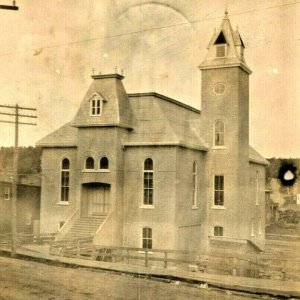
(17, 113)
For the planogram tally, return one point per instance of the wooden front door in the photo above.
(95, 200)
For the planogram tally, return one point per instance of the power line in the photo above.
(146, 30)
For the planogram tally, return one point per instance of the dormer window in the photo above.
(96, 105)
(221, 45)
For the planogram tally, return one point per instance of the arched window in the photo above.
(219, 133)
(147, 238)
(148, 182)
(65, 180)
(89, 163)
(104, 164)
(194, 175)
(96, 105)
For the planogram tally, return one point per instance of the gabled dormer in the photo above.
(105, 104)
(221, 45)
(226, 48)
(96, 104)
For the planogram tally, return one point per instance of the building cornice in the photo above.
(106, 76)
(257, 162)
(221, 66)
(121, 125)
(165, 144)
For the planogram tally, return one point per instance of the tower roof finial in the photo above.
(226, 13)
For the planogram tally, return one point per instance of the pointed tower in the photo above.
(225, 128)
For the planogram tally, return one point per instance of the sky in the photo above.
(50, 49)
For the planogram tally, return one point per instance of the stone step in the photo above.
(84, 227)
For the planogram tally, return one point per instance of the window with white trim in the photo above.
(219, 190)
(89, 163)
(7, 193)
(96, 106)
(104, 163)
(218, 231)
(219, 133)
(194, 176)
(148, 182)
(65, 180)
(147, 238)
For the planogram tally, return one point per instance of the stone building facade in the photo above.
(144, 170)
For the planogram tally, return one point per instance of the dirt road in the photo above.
(30, 280)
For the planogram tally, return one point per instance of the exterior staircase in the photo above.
(84, 228)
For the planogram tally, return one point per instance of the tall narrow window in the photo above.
(195, 171)
(148, 182)
(7, 193)
(95, 107)
(65, 180)
(219, 190)
(219, 133)
(218, 231)
(104, 164)
(147, 238)
(259, 226)
(89, 163)
(257, 188)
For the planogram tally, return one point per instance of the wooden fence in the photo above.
(262, 265)
(26, 238)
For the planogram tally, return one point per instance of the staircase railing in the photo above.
(67, 225)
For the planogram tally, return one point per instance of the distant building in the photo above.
(28, 204)
(145, 170)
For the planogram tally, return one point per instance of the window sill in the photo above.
(257, 204)
(95, 171)
(195, 207)
(143, 252)
(218, 147)
(63, 203)
(147, 206)
(95, 115)
(218, 207)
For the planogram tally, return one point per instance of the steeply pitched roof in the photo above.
(233, 56)
(65, 136)
(255, 157)
(116, 110)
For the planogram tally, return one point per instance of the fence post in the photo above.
(146, 257)
(165, 259)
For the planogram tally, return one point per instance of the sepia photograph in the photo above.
(149, 149)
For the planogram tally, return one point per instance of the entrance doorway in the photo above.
(95, 199)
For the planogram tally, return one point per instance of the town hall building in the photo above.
(144, 170)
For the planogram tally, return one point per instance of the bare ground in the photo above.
(20, 279)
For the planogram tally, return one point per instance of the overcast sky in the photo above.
(50, 47)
